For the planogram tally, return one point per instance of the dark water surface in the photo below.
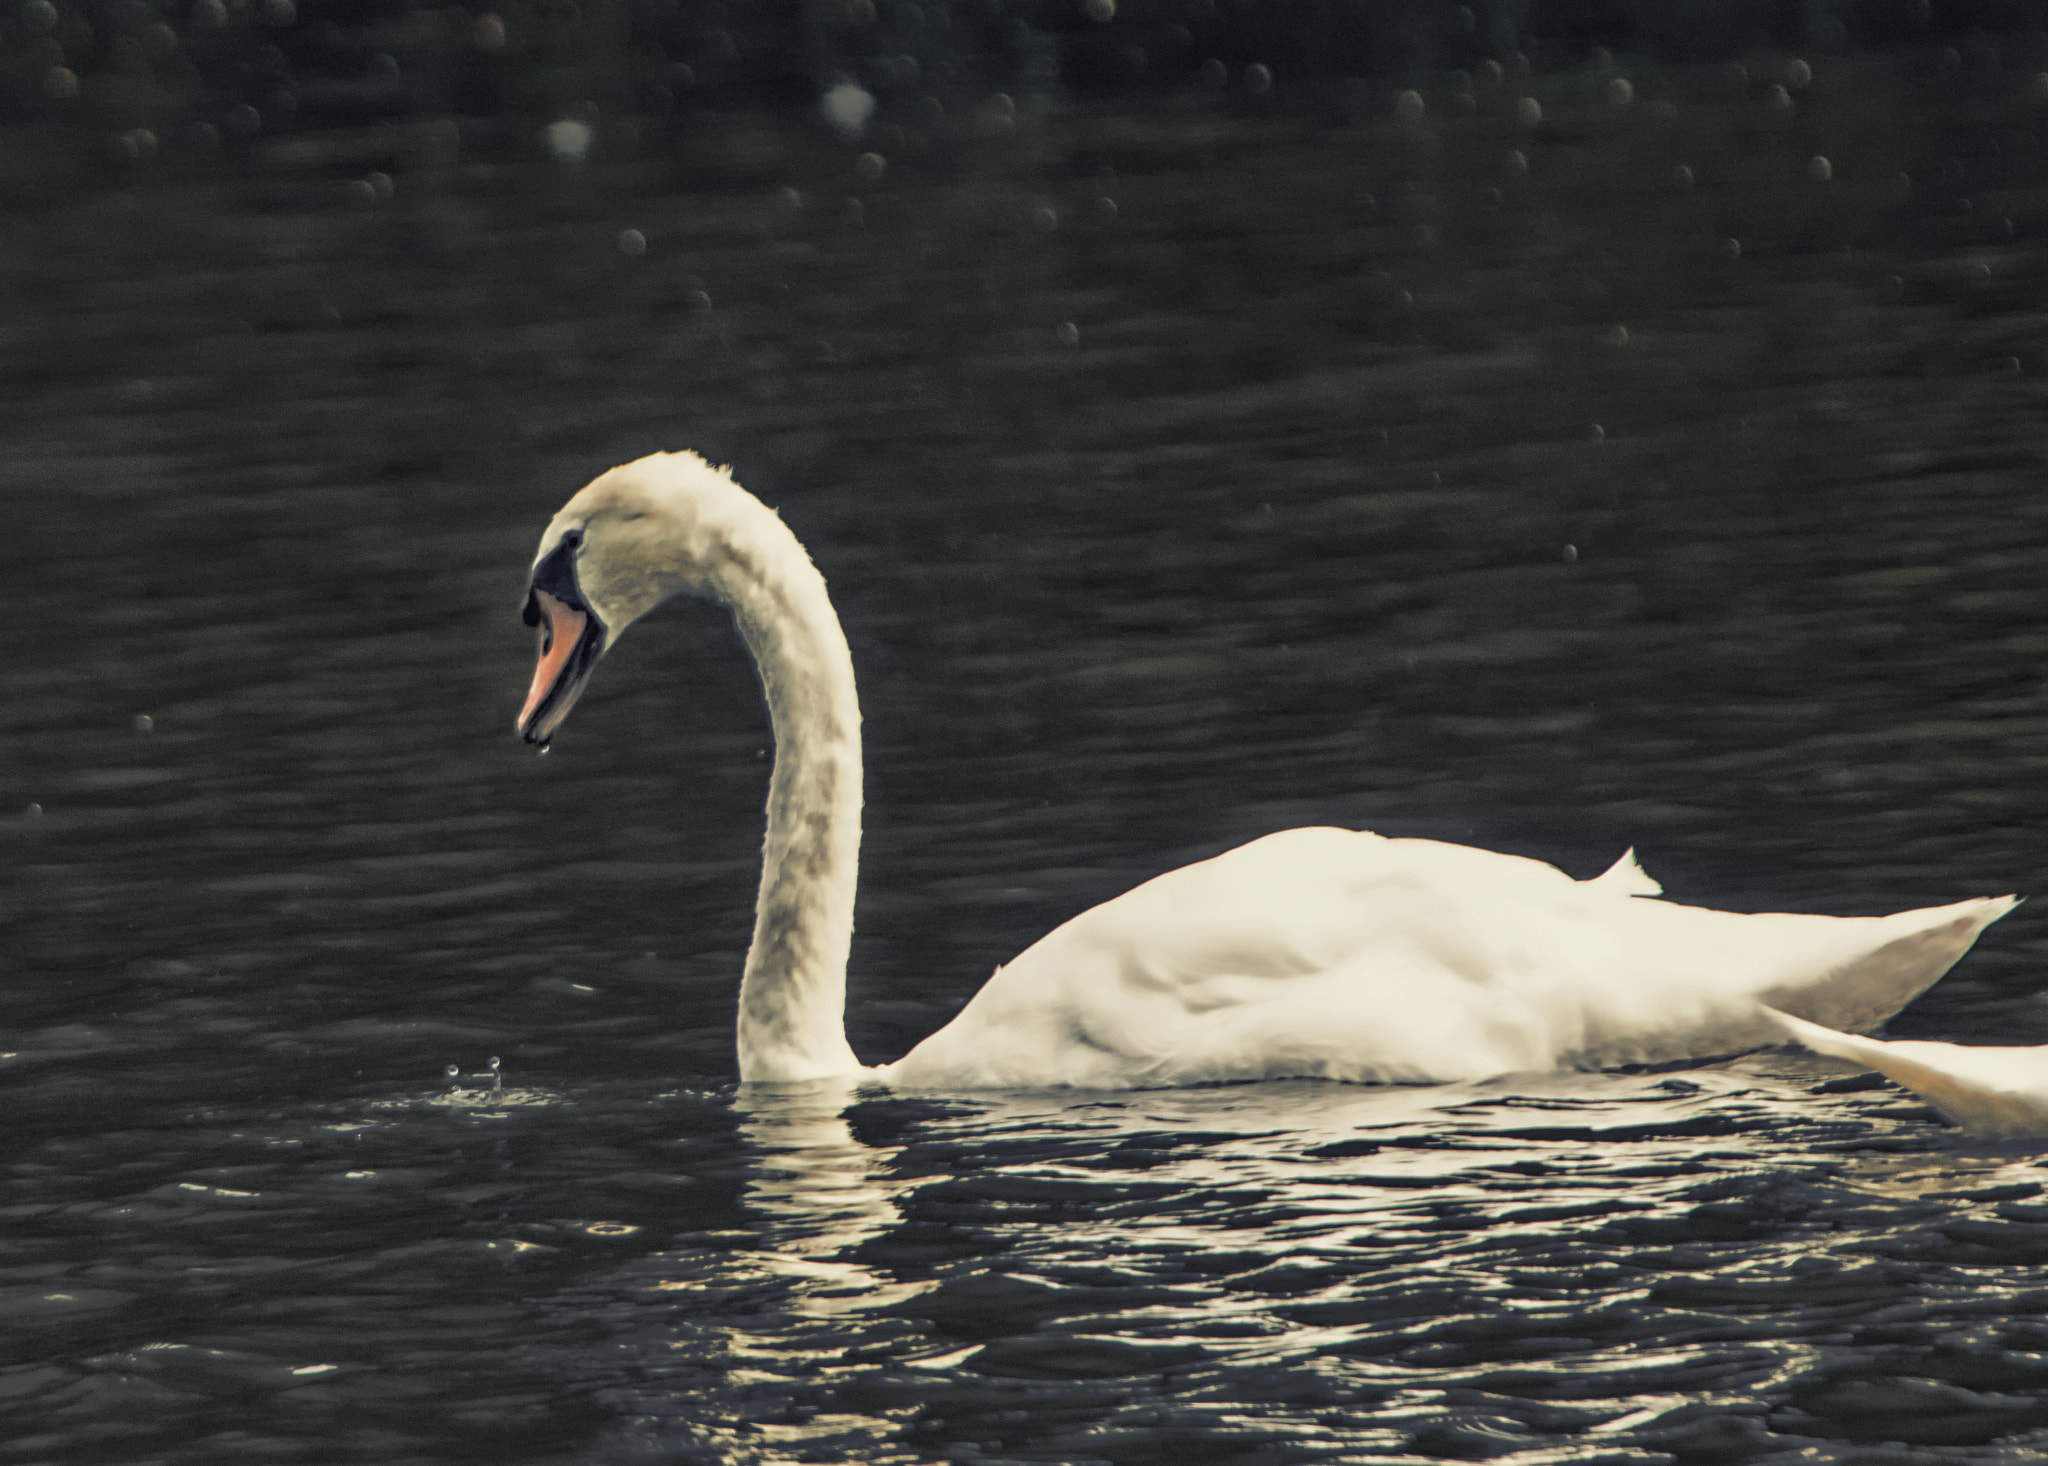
(1181, 475)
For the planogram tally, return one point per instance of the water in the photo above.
(1182, 471)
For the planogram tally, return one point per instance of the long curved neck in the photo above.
(792, 1020)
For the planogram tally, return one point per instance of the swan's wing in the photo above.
(1261, 962)
(1627, 877)
(1341, 954)
(1993, 1091)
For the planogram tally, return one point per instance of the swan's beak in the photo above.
(571, 640)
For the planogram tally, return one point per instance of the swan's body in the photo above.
(1992, 1091)
(1339, 954)
(1310, 953)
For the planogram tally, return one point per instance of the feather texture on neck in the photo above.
(793, 995)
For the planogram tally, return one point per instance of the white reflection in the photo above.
(818, 1188)
(819, 1193)
(1982, 1171)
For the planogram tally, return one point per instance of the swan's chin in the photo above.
(571, 640)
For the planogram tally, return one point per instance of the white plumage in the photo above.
(1319, 953)
(1992, 1091)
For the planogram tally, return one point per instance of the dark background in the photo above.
(1554, 427)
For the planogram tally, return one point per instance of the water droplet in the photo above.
(137, 145)
(487, 32)
(1528, 112)
(1597, 433)
(1409, 106)
(1215, 74)
(454, 1072)
(1517, 163)
(632, 242)
(1069, 333)
(1571, 554)
(33, 812)
(1101, 11)
(569, 139)
(1681, 176)
(144, 723)
(1778, 100)
(869, 167)
(1731, 249)
(1621, 92)
(1819, 170)
(1258, 79)
(1798, 75)
(497, 1079)
(544, 750)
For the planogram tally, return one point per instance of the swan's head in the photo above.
(648, 531)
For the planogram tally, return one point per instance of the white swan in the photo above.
(1992, 1091)
(1312, 953)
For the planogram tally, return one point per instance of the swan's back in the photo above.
(1344, 955)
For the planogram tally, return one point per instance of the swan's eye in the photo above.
(573, 539)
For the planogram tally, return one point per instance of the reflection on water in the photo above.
(1556, 480)
(1721, 1263)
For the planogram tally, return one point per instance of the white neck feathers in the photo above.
(792, 1019)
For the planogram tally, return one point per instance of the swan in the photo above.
(2001, 1093)
(1312, 953)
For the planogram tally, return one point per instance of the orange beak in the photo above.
(570, 641)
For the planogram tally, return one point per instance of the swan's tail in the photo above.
(1861, 992)
(2000, 1092)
